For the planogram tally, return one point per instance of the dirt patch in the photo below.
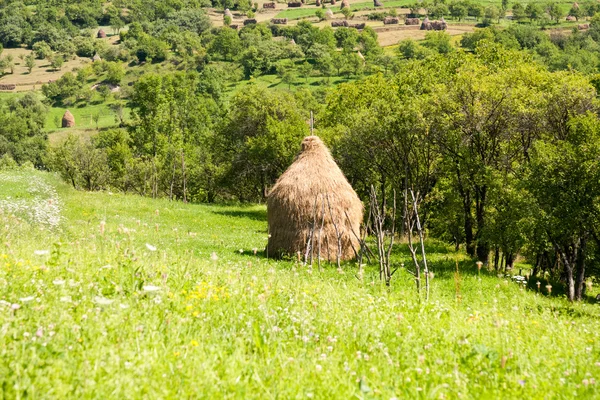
(42, 73)
(391, 36)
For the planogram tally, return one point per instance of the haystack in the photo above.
(68, 120)
(313, 189)
(345, 4)
(101, 34)
(328, 14)
(228, 13)
(96, 58)
(377, 3)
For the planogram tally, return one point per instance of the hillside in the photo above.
(117, 296)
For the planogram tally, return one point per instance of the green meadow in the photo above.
(104, 295)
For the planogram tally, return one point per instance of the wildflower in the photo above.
(58, 282)
(319, 368)
(150, 247)
(549, 288)
(241, 251)
(15, 307)
(103, 301)
(65, 299)
(538, 284)
(176, 353)
(39, 332)
(102, 225)
(214, 256)
(151, 288)
(26, 299)
(41, 252)
(194, 343)
(255, 250)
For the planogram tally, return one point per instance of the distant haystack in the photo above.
(345, 4)
(426, 25)
(228, 13)
(377, 3)
(68, 120)
(329, 14)
(318, 3)
(313, 191)
(96, 58)
(101, 34)
(409, 21)
(339, 24)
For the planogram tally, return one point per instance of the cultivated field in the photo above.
(111, 296)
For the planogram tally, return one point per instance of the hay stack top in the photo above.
(313, 187)
(101, 34)
(68, 120)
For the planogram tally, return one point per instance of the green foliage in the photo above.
(261, 138)
(226, 44)
(21, 130)
(66, 87)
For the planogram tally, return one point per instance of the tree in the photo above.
(305, 70)
(533, 11)
(518, 12)
(104, 91)
(115, 72)
(30, 62)
(261, 139)
(563, 179)
(226, 44)
(57, 61)
(555, 12)
(438, 41)
(42, 50)
(458, 10)
(492, 13)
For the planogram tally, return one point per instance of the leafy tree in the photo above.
(347, 38)
(226, 44)
(305, 70)
(518, 12)
(57, 61)
(261, 138)
(21, 129)
(458, 10)
(533, 11)
(438, 41)
(30, 62)
(563, 179)
(42, 50)
(115, 72)
(555, 12)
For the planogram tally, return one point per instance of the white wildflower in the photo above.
(102, 300)
(26, 299)
(151, 288)
(150, 247)
(58, 282)
(41, 252)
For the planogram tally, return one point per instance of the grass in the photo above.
(129, 297)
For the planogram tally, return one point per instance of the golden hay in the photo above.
(301, 196)
(68, 120)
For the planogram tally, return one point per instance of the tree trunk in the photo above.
(483, 247)
(184, 178)
(468, 225)
(580, 271)
(496, 257)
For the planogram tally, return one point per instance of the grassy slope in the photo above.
(243, 326)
